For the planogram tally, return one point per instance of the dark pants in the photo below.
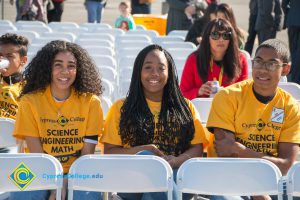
(266, 34)
(141, 9)
(294, 43)
(251, 34)
(55, 14)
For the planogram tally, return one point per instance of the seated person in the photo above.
(255, 118)
(216, 59)
(13, 56)
(60, 113)
(154, 118)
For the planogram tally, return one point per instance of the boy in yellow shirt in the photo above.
(13, 56)
(255, 118)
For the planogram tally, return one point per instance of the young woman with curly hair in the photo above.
(154, 117)
(216, 59)
(60, 113)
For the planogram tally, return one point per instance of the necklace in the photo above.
(61, 103)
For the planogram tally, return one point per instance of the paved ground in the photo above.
(75, 11)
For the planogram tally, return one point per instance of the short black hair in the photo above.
(14, 39)
(280, 47)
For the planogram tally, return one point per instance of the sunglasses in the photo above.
(215, 35)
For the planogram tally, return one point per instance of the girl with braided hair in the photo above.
(154, 118)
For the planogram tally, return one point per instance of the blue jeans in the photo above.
(94, 10)
(44, 195)
(155, 195)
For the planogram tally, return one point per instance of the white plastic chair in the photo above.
(179, 62)
(293, 181)
(34, 48)
(122, 173)
(178, 45)
(106, 104)
(108, 87)
(125, 73)
(58, 25)
(126, 61)
(150, 33)
(203, 106)
(131, 44)
(130, 51)
(108, 73)
(159, 39)
(229, 177)
(292, 88)
(92, 26)
(30, 23)
(60, 36)
(6, 133)
(95, 42)
(30, 35)
(101, 51)
(44, 40)
(181, 33)
(180, 53)
(5, 21)
(29, 172)
(104, 61)
(39, 29)
(132, 37)
(123, 88)
(7, 27)
(112, 31)
(101, 36)
(74, 30)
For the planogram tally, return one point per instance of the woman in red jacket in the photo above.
(217, 59)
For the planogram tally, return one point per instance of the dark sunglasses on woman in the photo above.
(215, 35)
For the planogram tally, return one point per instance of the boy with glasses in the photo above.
(255, 118)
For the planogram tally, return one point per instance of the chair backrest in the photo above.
(180, 52)
(6, 133)
(60, 36)
(150, 33)
(31, 171)
(179, 45)
(30, 35)
(229, 177)
(99, 50)
(104, 61)
(112, 31)
(102, 36)
(203, 106)
(95, 42)
(181, 33)
(38, 29)
(160, 39)
(292, 88)
(58, 25)
(132, 37)
(106, 104)
(293, 181)
(92, 26)
(122, 173)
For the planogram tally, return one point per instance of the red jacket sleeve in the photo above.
(244, 68)
(188, 85)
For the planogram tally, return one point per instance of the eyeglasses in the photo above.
(215, 35)
(270, 66)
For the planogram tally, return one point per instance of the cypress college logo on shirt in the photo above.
(62, 120)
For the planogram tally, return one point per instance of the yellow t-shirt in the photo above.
(111, 125)
(8, 99)
(258, 126)
(61, 135)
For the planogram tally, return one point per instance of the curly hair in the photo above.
(175, 123)
(14, 39)
(38, 72)
(230, 61)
